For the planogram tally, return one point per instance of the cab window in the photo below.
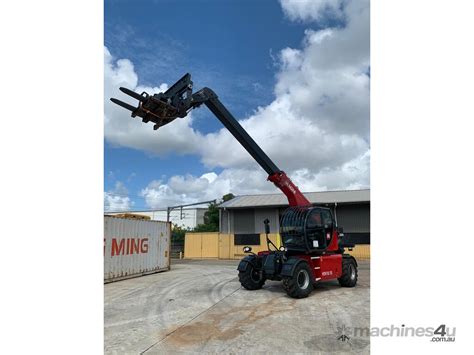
(315, 219)
(327, 218)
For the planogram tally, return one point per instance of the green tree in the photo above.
(211, 217)
(211, 220)
(228, 197)
(177, 234)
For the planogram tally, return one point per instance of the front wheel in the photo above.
(300, 284)
(349, 273)
(250, 278)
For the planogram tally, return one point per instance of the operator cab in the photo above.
(307, 229)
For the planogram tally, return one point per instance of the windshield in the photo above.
(303, 228)
(296, 240)
(292, 227)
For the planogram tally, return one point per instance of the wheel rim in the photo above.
(353, 272)
(303, 279)
(254, 275)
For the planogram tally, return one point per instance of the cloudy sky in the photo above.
(296, 73)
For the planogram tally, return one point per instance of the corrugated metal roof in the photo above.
(346, 196)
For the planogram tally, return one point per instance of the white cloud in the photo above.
(190, 189)
(316, 10)
(177, 190)
(211, 177)
(117, 199)
(121, 130)
(188, 184)
(317, 128)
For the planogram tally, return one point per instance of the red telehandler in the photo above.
(312, 249)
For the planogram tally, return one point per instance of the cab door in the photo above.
(315, 229)
(328, 225)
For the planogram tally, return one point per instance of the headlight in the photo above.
(282, 248)
(247, 249)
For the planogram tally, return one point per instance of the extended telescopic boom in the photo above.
(178, 100)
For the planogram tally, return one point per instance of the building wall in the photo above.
(248, 220)
(221, 246)
(244, 221)
(354, 218)
(200, 215)
(226, 221)
(260, 214)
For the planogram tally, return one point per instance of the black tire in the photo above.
(349, 273)
(300, 285)
(251, 279)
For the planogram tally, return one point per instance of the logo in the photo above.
(128, 246)
(341, 332)
(441, 333)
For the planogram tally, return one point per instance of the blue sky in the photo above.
(231, 46)
(218, 42)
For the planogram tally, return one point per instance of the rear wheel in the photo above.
(349, 273)
(300, 284)
(251, 279)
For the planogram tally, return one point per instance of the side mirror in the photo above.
(340, 232)
(267, 226)
(247, 249)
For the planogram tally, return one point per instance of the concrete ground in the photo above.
(199, 306)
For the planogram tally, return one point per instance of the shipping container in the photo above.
(134, 247)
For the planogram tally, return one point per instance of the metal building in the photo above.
(243, 216)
